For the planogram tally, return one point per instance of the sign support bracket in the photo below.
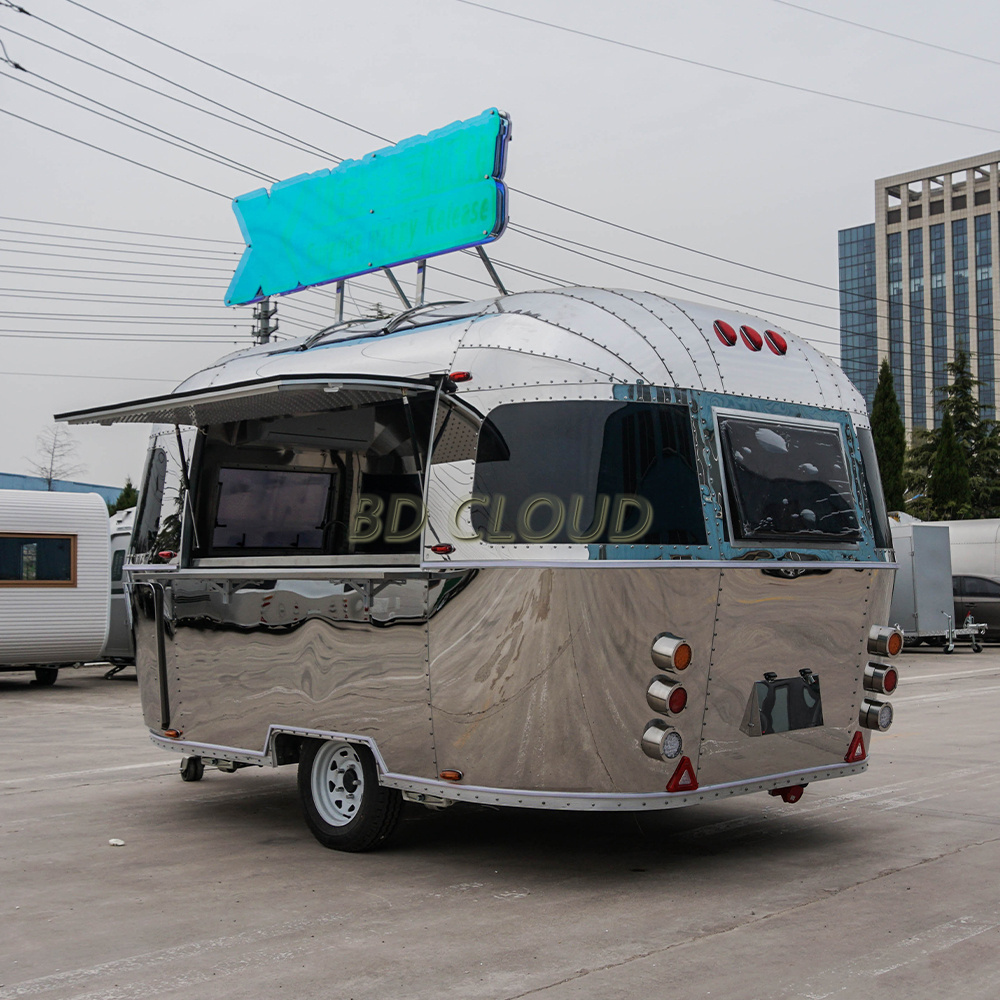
(399, 291)
(340, 302)
(421, 279)
(492, 271)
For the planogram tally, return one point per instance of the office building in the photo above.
(920, 283)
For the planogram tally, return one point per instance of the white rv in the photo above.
(54, 572)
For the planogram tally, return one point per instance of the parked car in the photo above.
(978, 596)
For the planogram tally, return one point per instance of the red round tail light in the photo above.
(678, 700)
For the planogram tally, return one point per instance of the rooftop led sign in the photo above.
(425, 196)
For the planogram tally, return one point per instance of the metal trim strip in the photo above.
(579, 801)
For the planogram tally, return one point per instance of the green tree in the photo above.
(127, 499)
(917, 472)
(889, 435)
(950, 488)
(978, 437)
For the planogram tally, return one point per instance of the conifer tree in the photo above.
(889, 436)
(978, 437)
(949, 488)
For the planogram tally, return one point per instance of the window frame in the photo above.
(786, 542)
(46, 584)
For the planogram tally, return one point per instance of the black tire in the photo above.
(345, 806)
(192, 769)
(46, 676)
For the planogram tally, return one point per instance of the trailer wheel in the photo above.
(192, 769)
(46, 676)
(345, 806)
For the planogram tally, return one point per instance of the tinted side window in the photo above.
(958, 585)
(41, 561)
(976, 586)
(588, 472)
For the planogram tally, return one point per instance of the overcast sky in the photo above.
(661, 142)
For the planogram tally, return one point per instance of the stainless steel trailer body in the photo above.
(586, 549)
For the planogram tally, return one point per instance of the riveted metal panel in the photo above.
(775, 621)
(539, 676)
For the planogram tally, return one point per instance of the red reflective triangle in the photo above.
(683, 779)
(857, 751)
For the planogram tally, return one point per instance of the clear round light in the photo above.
(671, 745)
(885, 716)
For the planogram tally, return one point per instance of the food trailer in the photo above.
(584, 548)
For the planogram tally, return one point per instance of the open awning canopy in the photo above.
(247, 401)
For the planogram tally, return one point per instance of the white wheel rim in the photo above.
(337, 782)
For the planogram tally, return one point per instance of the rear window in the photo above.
(787, 481)
(586, 471)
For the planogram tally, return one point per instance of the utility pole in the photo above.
(264, 313)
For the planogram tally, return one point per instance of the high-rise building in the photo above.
(919, 284)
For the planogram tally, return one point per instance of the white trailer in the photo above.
(975, 546)
(54, 576)
(922, 602)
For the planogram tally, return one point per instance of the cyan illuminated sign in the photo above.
(427, 195)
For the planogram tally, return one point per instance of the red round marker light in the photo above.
(678, 700)
(776, 342)
(889, 680)
(751, 338)
(461, 376)
(725, 332)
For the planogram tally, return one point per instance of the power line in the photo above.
(729, 72)
(235, 76)
(137, 253)
(174, 83)
(129, 277)
(198, 150)
(539, 235)
(108, 229)
(65, 295)
(111, 336)
(170, 97)
(202, 253)
(118, 318)
(890, 34)
(115, 260)
(117, 156)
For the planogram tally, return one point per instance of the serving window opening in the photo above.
(332, 483)
(787, 481)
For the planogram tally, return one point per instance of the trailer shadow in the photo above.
(262, 809)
